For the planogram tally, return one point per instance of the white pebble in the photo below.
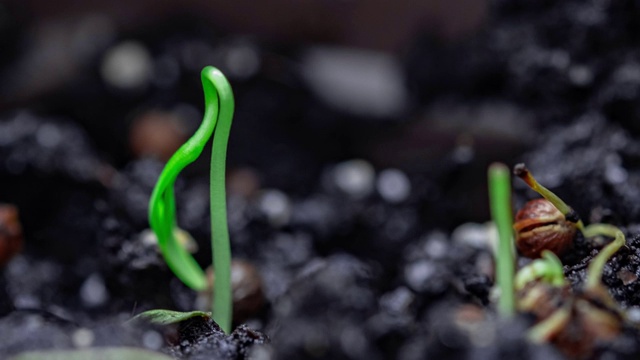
(417, 274)
(82, 338)
(615, 174)
(633, 315)
(436, 247)
(361, 82)
(355, 178)
(474, 235)
(276, 206)
(93, 291)
(393, 185)
(127, 66)
(242, 61)
(152, 340)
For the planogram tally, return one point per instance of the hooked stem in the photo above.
(521, 171)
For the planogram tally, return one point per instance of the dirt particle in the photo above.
(627, 277)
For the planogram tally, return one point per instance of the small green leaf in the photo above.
(166, 317)
(108, 353)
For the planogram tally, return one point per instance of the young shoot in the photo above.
(219, 107)
(595, 269)
(523, 173)
(500, 203)
(547, 269)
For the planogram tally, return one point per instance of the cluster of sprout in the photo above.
(542, 229)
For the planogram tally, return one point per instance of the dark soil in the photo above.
(347, 271)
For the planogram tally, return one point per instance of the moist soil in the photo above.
(351, 271)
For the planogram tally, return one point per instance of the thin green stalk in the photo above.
(500, 201)
(221, 248)
(596, 268)
(219, 106)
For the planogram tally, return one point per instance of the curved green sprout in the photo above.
(548, 269)
(219, 106)
(596, 268)
(500, 201)
(523, 173)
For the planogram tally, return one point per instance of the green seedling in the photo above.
(500, 201)
(594, 272)
(219, 107)
(547, 228)
(547, 269)
(593, 311)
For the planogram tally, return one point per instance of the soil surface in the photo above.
(364, 235)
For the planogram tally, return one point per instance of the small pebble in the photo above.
(425, 276)
(397, 301)
(152, 340)
(436, 246)
(633, 315)
(355, 178)
(615, 174)
(627, 277)
(393, 185)
(82, 338)
(127, 66)
(148, 238)
(474, 235)
(360, 82)
(276, 206)
(93, 291)
(242, 60)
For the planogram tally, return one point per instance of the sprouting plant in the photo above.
(546, 228)
(219, 106)
(500, 200)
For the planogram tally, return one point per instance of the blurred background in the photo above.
(315, 81)
(434, 88)
(362, 135)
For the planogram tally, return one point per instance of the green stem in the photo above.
(500, 200)
(594, 272)
(222, 292)
(219, 106)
